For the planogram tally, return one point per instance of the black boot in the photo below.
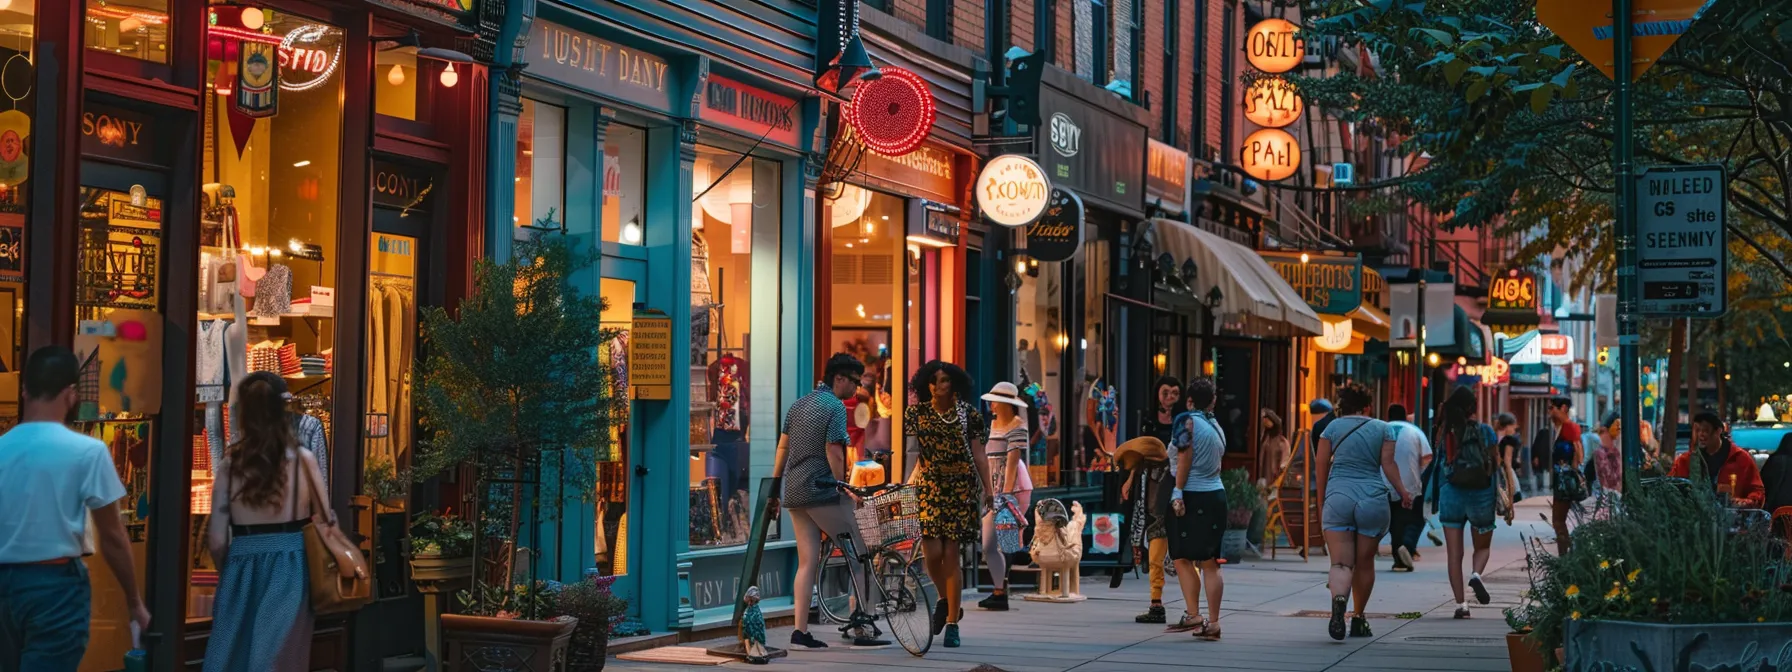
(995, 602)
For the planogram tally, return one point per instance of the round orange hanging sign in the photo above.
(1274, 46)
(1272, 102)
(1270, 155)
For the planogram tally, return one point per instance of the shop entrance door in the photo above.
(609, 541)
(402, 254)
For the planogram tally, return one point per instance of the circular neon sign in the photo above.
(309, 55)
(1012, 190)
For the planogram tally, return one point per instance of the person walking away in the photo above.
(1565, 456)
(1006, 452)
(1412, 454)
(51, 479)
(1356, 471)
(1776, 481)
(812, 447)
(1148, 488)
(1197, 521)
(1727, 468)
(1467, 492)
(1511, 451)
(953, 477)
(263, 494)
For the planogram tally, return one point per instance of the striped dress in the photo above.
(998, 449)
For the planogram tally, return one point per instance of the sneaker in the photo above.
(1336, 627)
(1185, 624)
(1462, 612)
(995, 602)
(1359, 627)
(1402, 558)
(800, 640)
(1153, 615)
(1436, 537)
(939, 616)
(951, 636)
(1474, 582)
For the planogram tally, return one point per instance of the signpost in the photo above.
(1681, 251)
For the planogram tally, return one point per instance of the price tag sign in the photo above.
(1682, 256)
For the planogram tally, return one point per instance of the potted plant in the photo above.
(1670, 578)
(598, 611)
(518, 624)
(441, 548)
(509, 382)
(1242, 499)
(1521, 649)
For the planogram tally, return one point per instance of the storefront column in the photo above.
(663, 471)
(507, 105)
(799, 287)
(56, 171)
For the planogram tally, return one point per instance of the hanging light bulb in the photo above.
(395, 76)
(252, 18)
(449, 79)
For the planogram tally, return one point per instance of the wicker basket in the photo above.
(889, 518)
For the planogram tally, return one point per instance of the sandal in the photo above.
(1208, 632)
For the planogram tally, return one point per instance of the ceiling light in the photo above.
(395, 76)
(631, 232)
(302, 164)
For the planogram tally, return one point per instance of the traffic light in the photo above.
(1021, 89)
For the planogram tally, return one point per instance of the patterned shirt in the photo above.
(814, 421)
(1197, 431)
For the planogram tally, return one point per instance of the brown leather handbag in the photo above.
(338, 573)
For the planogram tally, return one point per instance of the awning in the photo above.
(1248, 286)
(1470, 341)
(1370, 321)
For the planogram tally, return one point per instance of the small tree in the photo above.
(517, 378)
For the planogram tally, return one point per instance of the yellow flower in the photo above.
(1614, 592)
(1631, 577)
(1573, 591)
(1603, 564)
(1575, 616)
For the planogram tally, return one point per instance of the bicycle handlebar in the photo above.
(836, 484)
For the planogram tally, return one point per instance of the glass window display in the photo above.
(540, 167)
(625, 184)
(133, 28)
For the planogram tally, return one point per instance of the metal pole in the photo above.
(1628, 340)
(1418, 364)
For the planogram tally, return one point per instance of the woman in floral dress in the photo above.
(952, 477)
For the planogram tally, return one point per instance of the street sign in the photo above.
(1587, 27)
(1682, 258)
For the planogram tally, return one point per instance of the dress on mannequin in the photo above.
(728, 391)
(700, 299)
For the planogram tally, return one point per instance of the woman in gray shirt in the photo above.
(1356, 469)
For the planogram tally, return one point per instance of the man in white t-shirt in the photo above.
(50, 478)
(1412, 453)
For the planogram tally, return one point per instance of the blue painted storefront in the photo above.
(688, 75)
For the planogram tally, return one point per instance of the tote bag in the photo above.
(339, 578)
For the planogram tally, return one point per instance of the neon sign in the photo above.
(309, 55)
(1516, 290)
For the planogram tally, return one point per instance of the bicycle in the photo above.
(901, 594)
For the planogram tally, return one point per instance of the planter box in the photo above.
(1524, 654)
(1232, 546)
(1623, 645)
(429, 568)
(482, 644)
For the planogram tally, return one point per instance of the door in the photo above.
(612, 541)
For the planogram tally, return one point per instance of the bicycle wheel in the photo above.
(917, 564)
(833, 586)
(901, 603)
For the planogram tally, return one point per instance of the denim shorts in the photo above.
(1365, 515)
(1457, 507)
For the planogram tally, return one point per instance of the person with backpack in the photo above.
(1466, 491)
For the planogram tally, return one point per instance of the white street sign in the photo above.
(1681, 251)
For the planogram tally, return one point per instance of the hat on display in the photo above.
(1142, 449)
(1005, 393)
(1319, 406)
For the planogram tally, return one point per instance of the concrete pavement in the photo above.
(1274, 618)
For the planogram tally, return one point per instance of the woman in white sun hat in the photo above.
(1007, 453)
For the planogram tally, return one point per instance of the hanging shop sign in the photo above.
(892, 114)
(1495, 372)
(650, 355)
(1513, 290)
(1274, 46)
(396, 185)
(1166, 178)
(1271, 102)
(1094, 152)
(1059, 232)
(1337, 334)
(1270, 155)
(1330, 285)
(582, 61)
(927, 171)
(1012, 190)
(750, 110)
(1555, 349)
(1682, 251)
(308, 56)
(119, 134)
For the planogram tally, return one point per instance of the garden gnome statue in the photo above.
(1058, 550)
(752, 629)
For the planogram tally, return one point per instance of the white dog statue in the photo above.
(1058, 550)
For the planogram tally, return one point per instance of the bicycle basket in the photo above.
(889, 518)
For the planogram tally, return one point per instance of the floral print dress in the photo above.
(950, 490)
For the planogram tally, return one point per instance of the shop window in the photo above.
(625, 184)
(402, 83)
(734, 297)
(610, 533)
(868, 257)
(1096, 383)
(269, 214)
(540, 167)
(133, 28)
(15, 134)
(1041, 338)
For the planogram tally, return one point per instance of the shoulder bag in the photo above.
(338, 574)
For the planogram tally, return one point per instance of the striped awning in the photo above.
(1248, 286)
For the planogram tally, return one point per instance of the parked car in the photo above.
(1760, 440)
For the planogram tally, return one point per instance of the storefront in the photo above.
(225, 188)
(894, 239)
(1074, 334)
(689, 174)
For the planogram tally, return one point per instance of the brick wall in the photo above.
(968, 23)
(1065, 13)
(1020, 30)
(1213, 78)
(1185, 79)
(1151, 65)
(912, 12)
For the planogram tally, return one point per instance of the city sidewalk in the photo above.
(1274, 618)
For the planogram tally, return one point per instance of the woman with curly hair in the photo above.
(1356, 466)
(952, 474)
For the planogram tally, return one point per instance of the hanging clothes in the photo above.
(701, 300)
(273, 292)
(400, 325)
(209, 361)
(728, 390)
